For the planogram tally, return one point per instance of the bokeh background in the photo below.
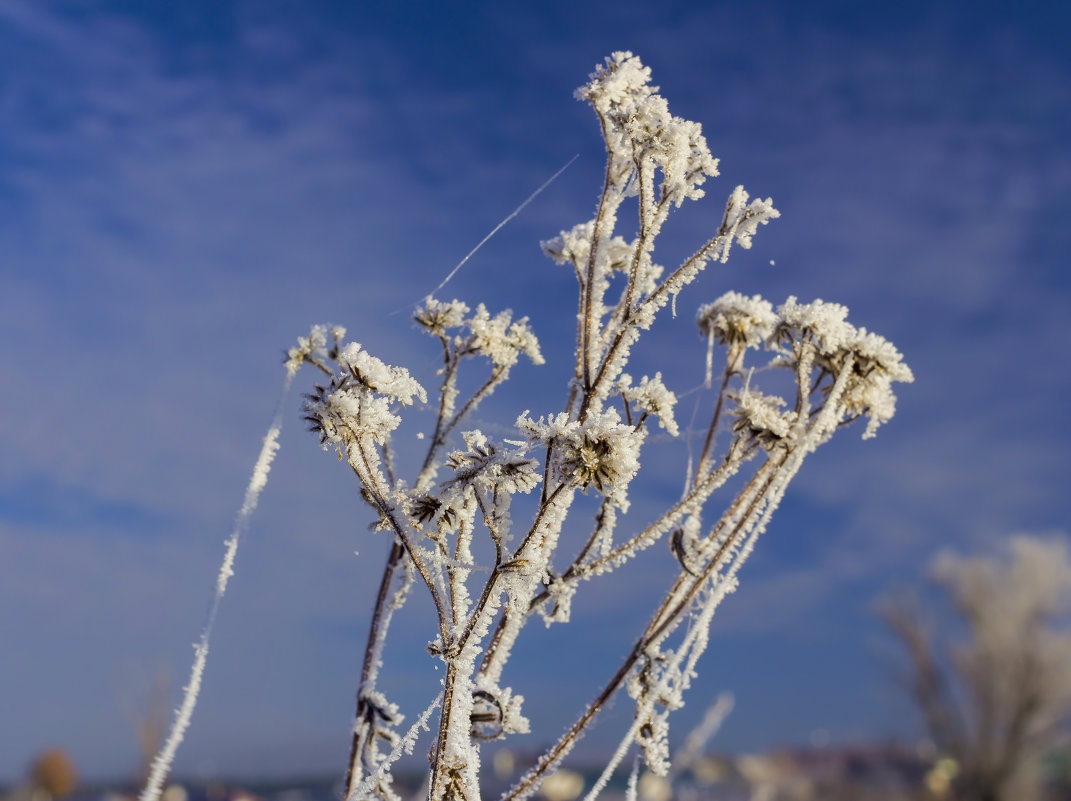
(186, 187)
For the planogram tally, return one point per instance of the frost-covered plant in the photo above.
(461, 501)
(996, 701)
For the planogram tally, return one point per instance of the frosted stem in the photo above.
(161, 764)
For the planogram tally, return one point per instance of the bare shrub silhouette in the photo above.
(994, 702)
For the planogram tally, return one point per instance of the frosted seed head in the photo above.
(641, 130)
(344, 411)
(761, 418)
(501, 340)
(358, 402)
(876, 364)
(737, 320)
(602, 452)
(617, 83)
(573, 246)
(489, 466)
(652, 397)
(546, 429)
(314, 346)
(437, 317)
(820, 323)
(379, 377)
(874, 353)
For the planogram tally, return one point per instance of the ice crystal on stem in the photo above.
(491, 566)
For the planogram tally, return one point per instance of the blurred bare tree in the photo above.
(995, 702)
(148, 706)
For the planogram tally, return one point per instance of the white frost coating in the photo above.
(760, 417)
(314, 345)
(877, 364)
(501, 340)
(688, 651)
(697, 739)
(376, 375)
(630, 789)
(404, 745)
(822, 323)
(869, 391)
(640, 122)
(735, 319)
(440, 316)
(161, 764)
(651, 397)
(742, 219)
(257, 483)
(602, 451)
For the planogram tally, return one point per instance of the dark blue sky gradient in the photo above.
(186, 187)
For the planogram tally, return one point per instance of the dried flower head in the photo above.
(736, 320)
(437, 317)
(651, 396)
(501, 340)
(603, 452)
(821, 324)
(876, 364)
(761, 418)
(489, 466)
(638, 123)
(358, 402)
(314, 345)
(379, 377)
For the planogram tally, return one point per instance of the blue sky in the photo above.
(185, 188)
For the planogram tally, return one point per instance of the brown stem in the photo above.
(656, 628)
(641, 240)
(594, 534)
(696, 261)
(731, 541)
(695, 496)
(439, 755)
(375, 492)
(439, 436)
(491, 523)
(711, 438)
(488, 589)
(318, 364)
(376, 633)
(550, 757)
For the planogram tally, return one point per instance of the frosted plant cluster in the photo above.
(996, 701)
(490, 569)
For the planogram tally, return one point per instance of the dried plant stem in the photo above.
(377, 634)
(373, 483)
(440, 752)
(438, 437)
(160, 766)
(671, 611)
(607, 207)
(712, 430)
